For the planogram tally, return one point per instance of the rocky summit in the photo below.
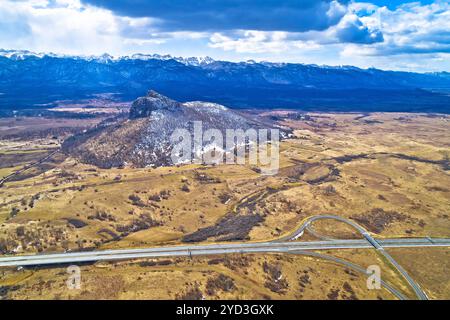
(143, 139)
(154, 101)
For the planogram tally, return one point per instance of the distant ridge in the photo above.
(29, 80)
(104, 58)
(193, 61)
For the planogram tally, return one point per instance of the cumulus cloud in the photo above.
(411, 29)
(352, 30)
(416, 37)
(68, 26)
(382, 33)
(349, 30)
(58, 25)
(213, 15)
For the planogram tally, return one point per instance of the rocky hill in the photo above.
(143, 139)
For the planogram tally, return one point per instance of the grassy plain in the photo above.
(388, 172)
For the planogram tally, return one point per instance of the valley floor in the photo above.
(387, 172)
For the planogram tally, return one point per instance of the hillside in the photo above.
(144, 138)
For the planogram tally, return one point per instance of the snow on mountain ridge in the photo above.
(144, 139)
(106, 58)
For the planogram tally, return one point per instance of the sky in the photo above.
(386, 34)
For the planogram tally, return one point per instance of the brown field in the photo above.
(229, 277)
(388, 172)
(33, 127)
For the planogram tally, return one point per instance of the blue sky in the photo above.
(395, 34)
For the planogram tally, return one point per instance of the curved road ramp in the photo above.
(282, 245)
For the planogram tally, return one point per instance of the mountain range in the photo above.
(36, 80)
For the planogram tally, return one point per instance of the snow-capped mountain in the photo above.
(28, 79)
(106, 58)
(20, 54)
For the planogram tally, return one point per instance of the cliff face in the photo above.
(153, 101)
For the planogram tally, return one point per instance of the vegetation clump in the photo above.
(219, 283)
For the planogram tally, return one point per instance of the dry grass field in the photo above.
(388, 172)
(229, 277)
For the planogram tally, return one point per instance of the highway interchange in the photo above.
(282, 245)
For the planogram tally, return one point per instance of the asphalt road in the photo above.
(377, 244)
(354, 267)
(281, 245)
(212, 249)
(27, 167)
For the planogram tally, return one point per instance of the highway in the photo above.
(27, 167)
(354, 267)
(212, 249)
(375, 243)
(285, 244)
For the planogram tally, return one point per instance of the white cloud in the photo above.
(61, 25)
(416, 37)
(410, 37)
(251, 42)
(67, 26)
(261, 42)
(412, 29)
(349, 30)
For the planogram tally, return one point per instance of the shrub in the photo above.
(219, 283)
